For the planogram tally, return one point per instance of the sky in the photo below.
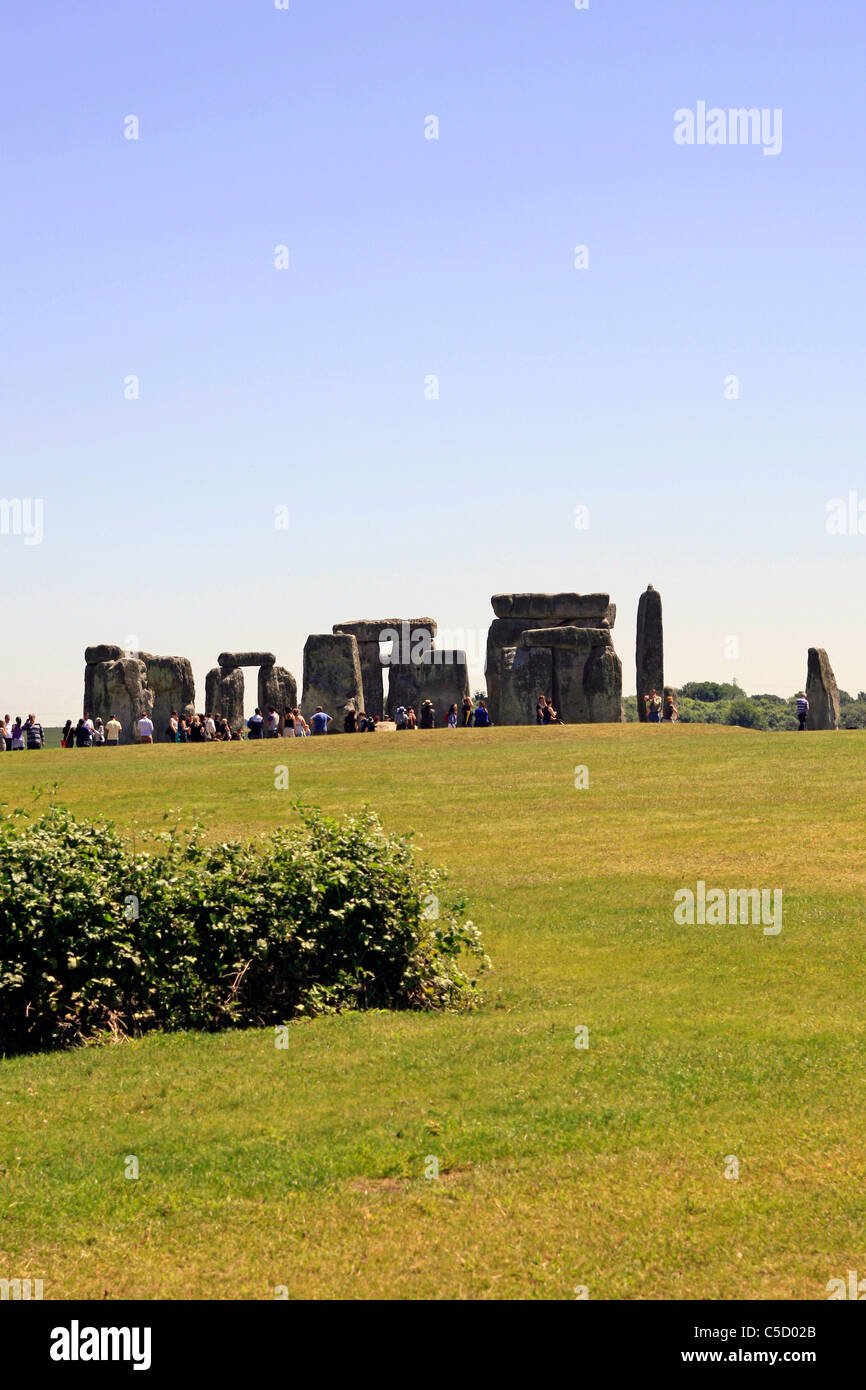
(403, 412)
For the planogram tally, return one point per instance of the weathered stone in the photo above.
(277, 689)
(224, 694)
(570, 697)
(371, 634)
(229, 661)
(557, 607)
(602, 684)
(649, 649)
(821, 692)
(444, 679)
(524, 674)
(371, 629)
(583, 638)
(171, 680)
(103, 651)
(119, 688)
(332, 676)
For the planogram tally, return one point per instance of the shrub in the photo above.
(744, 713)
(328, 916)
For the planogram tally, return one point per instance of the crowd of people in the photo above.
(17, 735)
(468, 717)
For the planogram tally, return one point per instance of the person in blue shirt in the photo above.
(255, 724)
(482, 716)
(320, 721)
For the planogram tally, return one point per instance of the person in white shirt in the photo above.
(113, 730)
(210, 727)
(145, 730)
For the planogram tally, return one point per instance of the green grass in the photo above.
(558, 1167)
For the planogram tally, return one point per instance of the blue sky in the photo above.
(410, 258)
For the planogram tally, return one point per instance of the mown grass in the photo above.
(603, 1167)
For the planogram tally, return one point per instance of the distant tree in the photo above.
(744, 713)
(853, 715)
(845, 698)
(709, 691)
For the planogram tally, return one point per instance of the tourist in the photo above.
(255, 724)
(452, 717)
(653, 707)
(467, 712)
(34, 732)
(83, 736)
(289, 723)
(113, 731)
(182, 735)
(66, 735)
(145, 729)
(428, 715)
(273, 723)
(171, 728)
(320, 720)
(210, 726)
(98, 733)
(17, 734)
(540, 707)
(482, 716)
(411, 718)
(802, 710)
(302, 728)
(88, 722)
(350, 720)
(549, 715)
(670, 713)
(7, 732)
(400, 717)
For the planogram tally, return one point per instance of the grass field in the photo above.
(558, 1167)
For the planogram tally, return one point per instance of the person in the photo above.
(113, 730)
(255, 724)
(452, 717)
(670, 713)
(34, 732)
(98, 733)
(171, 728)
(350, 720)
(320, 721)
(210, 726)
(540, 707)
(802, 710)
(411, 718)
(467, 712)
(428, 715)
(302, 728)
(653, 707)
(145, 729)
(289, 724)
(182, 735)
(7, 732)
(400, 717)
(482, 716)
(17, 734)
(88, 722)
(273, 723)
(83, 736)
(66, 738)
(372, 721)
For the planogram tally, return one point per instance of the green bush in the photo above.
(745, 713)
(96, 937)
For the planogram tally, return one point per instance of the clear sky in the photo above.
(411, 258)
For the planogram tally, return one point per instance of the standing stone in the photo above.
(443, 678)
(586, 676)
(602, 684)
(119, 688)
(821, 692)
(649, 648)
(524, 673)
(277, 689)
(519, 613)
(332, 676)
(370, 634)
(171, 680)
(224, 694)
